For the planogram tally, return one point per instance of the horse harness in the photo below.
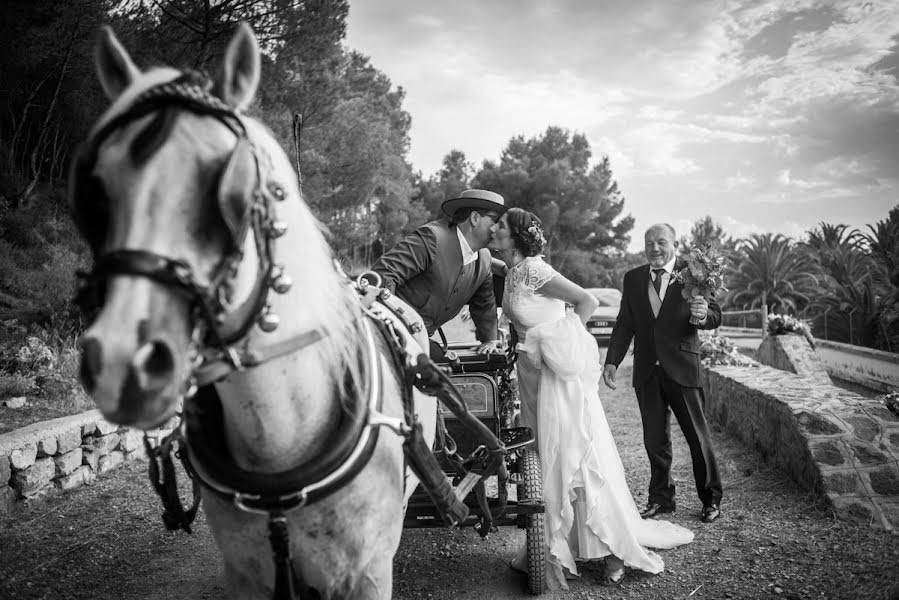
(218, 342)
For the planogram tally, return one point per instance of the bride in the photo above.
(590, 513)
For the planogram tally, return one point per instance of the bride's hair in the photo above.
(526, 231)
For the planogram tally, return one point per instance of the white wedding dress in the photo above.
(590, 512)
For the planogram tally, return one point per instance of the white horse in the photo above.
(196, 221)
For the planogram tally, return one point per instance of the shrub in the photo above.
(719, 350)
(17, 384)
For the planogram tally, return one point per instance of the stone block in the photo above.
(47, 446)
(68, 441)
(894, 440)
(90, 457)
(844, 482)
(88, 429)
(7, 499)
(864, 427)
(29, 481)
(23, 458)
(131, 441)
(828, 453)
(868, 454)
(68, 462)
(111, 460)
(104, 427)
(885, 480)
(73, 479)
(106, 443)
(5, 470)
(816, 424)
(855, 508)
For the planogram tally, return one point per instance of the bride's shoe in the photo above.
(614, 572)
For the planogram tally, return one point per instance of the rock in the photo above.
(22, 458)
(46, 447)
(68, 462)
(111, 461)
(90, 457)
(75, 479)
(7, 499)
(5, 470)
(17, 402)
(68, 441)
(104, 427)
(28, 482)
(131, 441)
(107, 443)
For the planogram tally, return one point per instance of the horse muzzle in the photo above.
(139, 389)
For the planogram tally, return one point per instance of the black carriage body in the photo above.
(481, 383)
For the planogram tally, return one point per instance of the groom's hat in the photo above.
(476, 199)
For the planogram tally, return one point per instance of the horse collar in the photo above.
(348, 451)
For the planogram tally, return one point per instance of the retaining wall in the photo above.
(841, 445)
(64, 453)
(872, 368)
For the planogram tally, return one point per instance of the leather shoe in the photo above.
(652, 509)
(710, 512)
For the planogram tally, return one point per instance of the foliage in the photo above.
(768, 269)
(13, 385)
(707, 232)
(891, 401)
(784, 324)
(704, 273)
(550, 175)
(719, 350)
(452, 179)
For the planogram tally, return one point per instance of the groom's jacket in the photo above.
(668, 338)
(425, 269)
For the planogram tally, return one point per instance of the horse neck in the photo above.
(282, 412)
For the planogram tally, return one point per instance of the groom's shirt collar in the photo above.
(669, 266)
(468, 255)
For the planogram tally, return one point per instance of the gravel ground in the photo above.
(774, 540)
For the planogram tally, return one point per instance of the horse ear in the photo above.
(115, 69)
(239, 77)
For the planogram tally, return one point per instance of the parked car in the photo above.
(605, 316)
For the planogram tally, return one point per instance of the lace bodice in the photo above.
(523, 303)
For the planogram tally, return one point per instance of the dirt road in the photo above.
(106, 542)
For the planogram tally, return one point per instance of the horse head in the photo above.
(167, 192)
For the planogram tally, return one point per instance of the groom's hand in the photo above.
(487, 348)
(608, 375)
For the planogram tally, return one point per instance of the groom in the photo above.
(666, 370)
(444, 265)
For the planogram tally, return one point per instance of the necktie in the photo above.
(657, 281)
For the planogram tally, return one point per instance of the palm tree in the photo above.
(884, 244)
(770, 271)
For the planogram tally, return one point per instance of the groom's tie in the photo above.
(657, 281)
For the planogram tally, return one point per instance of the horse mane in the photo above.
(332, 304)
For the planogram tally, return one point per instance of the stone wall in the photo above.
(836, 443)
(792, 353)
(63, 454)
(866, 366)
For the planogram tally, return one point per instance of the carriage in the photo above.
(488, 389)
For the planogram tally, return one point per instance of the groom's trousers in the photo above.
(658, 397)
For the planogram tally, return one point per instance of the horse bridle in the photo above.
(246, 200)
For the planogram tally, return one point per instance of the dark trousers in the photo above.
(658, 398)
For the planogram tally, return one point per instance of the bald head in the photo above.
(660, 244)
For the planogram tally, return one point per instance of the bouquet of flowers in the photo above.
(891, 401)
(703, 275)
(719, 350)
(783, 324)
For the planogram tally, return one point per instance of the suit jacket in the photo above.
(669, 338)
(425, 269)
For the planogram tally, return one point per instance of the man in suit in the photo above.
(444, 265)
(666, 370)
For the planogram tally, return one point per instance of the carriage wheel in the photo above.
(532, 489)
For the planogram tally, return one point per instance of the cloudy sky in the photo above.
(769, 115)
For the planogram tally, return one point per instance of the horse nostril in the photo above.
(154, 363)
(91, 362)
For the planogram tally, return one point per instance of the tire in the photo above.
(532, 489)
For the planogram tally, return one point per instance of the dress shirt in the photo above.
(468, 255)
(666, 277)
